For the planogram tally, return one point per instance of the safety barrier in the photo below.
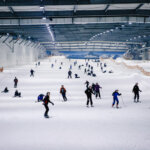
(1, 69)
(130, 67)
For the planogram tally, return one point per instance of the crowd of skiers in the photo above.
(91, 89)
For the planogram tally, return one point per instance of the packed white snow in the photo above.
(73, 126)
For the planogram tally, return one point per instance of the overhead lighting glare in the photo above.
(41, 7)
(44, 18)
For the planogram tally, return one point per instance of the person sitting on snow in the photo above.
(76, 76)
(5, 90)
(17, 94)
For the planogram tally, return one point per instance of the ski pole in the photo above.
(122, 100)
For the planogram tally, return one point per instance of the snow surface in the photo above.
(73, 126)
(144, 64)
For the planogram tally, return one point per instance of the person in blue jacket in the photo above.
(115, 95)
(40, 97)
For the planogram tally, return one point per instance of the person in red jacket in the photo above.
(63, 93)
(45, 103)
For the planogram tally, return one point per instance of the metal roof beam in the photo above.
(77, 20)
(106, 8)
(138, 7)
(11, 10)
(95, 13)
(66, 2)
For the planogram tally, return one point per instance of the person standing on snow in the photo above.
(69, 74)
(115, 95)
(136, 91)
(89, 93)
(32, 73)
(97, 90)
(15, 82)
(63, 93)
(45, 103)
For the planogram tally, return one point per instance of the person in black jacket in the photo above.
(89, 93)
(5, 90)
(45, 103)
(87, 84)
(15, 82)
(69, 74)
(32, 73)
(136, 92)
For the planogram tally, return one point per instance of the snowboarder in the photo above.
(15, 82)
(32, 73)
(136, 92)
(69, 74)
(17, 94)
(89, 93)
(115, 95)
(45, 103)
(97, 90)
(63, 93)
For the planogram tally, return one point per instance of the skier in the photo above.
(5, 90)
(87, 84)
(52, 65)
(93, 88)
(70, 67)
(63, 93)
(86, 64)
(40, 97)
(89, 93)
(85, 70)
(45, 103)
(136, 92)
(32, 73)
(17, 94)
(79, 67)
(15, 82)
(115, 98)
(69, 74)
(39, 63)
(97, 90)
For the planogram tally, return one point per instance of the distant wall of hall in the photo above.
(17, 54)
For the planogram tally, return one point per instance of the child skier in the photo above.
(115, 95)
(63, 93)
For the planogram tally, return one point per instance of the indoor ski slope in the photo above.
(73, 126)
